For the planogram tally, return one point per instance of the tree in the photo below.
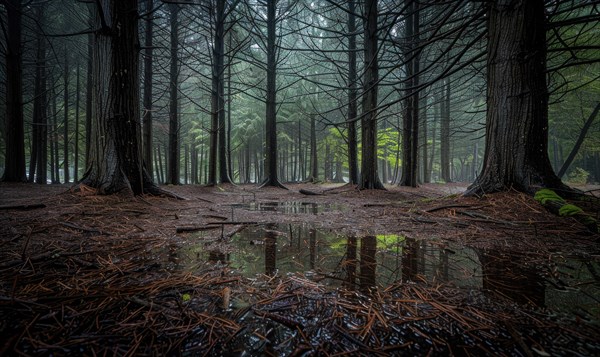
(14, 170)
(410, 132)
(271, 105)
(352, 94)
(116, 163)
(369, 177)
(516, 152)
(148, 74)
(173, 161)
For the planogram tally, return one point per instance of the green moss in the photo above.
(569, 210)
(545, 195)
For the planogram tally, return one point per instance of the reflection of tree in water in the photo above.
(270, 250)
(368, 263)
(510, 277)
(217, 256)
(312, 247)
(412, 260)
(349, 263)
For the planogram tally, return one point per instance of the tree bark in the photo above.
(445, 132)
(76, 146)
(173, 161)
(39, 152)
(271, 107)
(14, 167)
(369, 175)
(66, 133)
(516, 152)
(219, 63)
(352, 96)
(410, 142)
(116, 150)
(148, 87)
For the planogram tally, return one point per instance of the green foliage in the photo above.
(545, 195)
(569, 210)
(578, 176)
(390, 242)
(186, 297)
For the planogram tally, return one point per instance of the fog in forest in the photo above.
(243, 90)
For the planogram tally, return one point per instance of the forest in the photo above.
(299, 177)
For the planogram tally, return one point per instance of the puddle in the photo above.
(292, 207)
(566, 284)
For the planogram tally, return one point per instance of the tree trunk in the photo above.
(516, 150)
(219, 60)
(148, 86)
(271, 107)
(173, 160)
(369, 176)
(76, 146)
(410, 127)
(314, 158)
(580, 139)
(424, 147)
(39, 153)
(66, 133)
(55, 162)
(89, 88)
(352, 95)
(116, 151)
(14, 166)
(445, 133)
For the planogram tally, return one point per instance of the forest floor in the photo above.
(241, 270)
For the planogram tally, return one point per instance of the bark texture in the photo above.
(516, 153)
(369, 173)
(14, 168)
(116, 163)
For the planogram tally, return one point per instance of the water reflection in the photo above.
(293, 207)
(512, 278)
(379, 260)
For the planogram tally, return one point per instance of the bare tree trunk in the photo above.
(445, 133)
(369, 175)
(410, 138)
(89, 89)
(580, 139)
(271, 107)
(66, 133)
(314, 158)
(148, 86)
(76, 146)
(352, 96)
(14, 166)
(516, 150)
(39, 154)
(116, 149)
(173, 160)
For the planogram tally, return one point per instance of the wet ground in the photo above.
(273, 272)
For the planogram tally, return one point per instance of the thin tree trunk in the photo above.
(173, 153)
(148, 87)
(445, 133)
(270, 166)
(14, 166)
(352, 96)
(369, 173)
(411, 119)
(580, 139)
(219, 60)
(66, 133)
(76, 148)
